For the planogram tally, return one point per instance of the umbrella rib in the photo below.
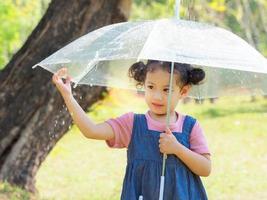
(89, 67)
(138, 58)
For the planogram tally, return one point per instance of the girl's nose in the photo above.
(157, 95)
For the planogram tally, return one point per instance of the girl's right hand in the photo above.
(64, 88)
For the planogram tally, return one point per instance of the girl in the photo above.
(145, 135)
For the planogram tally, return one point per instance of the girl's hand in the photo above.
(64, 88)
(168, 143)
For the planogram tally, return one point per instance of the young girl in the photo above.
(145, 135)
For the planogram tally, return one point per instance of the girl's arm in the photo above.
(197, 163)
(200, 164)
(89, 129)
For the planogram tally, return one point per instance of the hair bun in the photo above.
(137, 72)
(196, 75)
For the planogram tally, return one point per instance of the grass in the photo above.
(236, 130)
(8, 192)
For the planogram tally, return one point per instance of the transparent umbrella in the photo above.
(103, 57)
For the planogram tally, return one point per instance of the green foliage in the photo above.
(18, 18)
(150, 9)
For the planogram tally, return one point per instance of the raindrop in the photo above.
(81, 97)
(63, 122)
(91, 85)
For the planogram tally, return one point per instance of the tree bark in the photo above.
(32, 113)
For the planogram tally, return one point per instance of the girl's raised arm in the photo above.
(89, 129)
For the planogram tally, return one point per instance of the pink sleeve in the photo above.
(122, 127)
(198, 141)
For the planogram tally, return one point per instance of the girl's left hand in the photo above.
(168, 143)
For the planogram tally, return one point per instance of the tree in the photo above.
(32, 113)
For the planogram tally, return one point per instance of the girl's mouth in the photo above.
(157, 105)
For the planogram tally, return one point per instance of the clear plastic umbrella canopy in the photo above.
(103, 57)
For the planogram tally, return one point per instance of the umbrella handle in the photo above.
(161, 190)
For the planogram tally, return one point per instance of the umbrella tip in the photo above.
(34, 66)
(75, 85)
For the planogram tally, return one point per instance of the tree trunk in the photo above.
(32, 113)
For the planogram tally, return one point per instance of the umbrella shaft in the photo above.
(167, 126)
(177, 9)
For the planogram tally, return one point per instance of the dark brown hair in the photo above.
(188, 74)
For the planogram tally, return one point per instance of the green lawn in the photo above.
(236, 130)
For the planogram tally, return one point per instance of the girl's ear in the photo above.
(185, 90)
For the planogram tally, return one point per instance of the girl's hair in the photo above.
(188, 74)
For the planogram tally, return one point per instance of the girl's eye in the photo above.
(150, 86)
(166, 90)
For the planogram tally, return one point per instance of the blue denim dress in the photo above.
(144, 165)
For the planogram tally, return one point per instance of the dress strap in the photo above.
(140, 120)
(188, 125)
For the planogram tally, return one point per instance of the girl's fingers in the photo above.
(55, 78)
(62, 73)
(168, 131)
(68, 80)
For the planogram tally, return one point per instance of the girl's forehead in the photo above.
(160, 77)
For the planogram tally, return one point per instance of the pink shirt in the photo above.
(123, 126)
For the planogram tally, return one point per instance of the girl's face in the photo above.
(157, 88)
